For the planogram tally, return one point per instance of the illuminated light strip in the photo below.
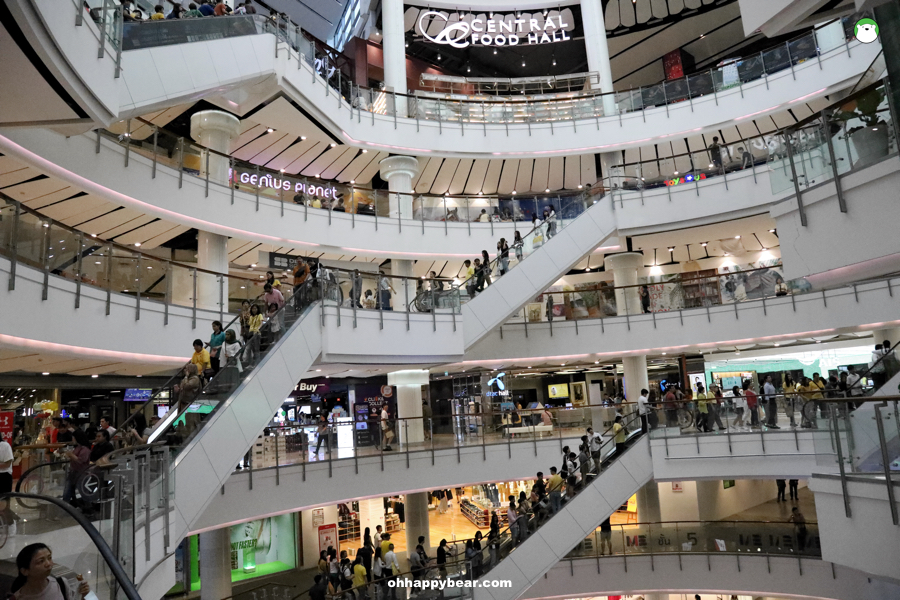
(759, 112)
(801, 98)
(81, 351)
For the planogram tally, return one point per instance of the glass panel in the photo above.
(750, 68)
(149, 34)
(7, 222)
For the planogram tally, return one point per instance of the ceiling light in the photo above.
(547, 191)
(364, 151)
(771, 231)
(514, 192)
(671, 248)
(580, 186)
(588, 269)
(676, 172)
(97, 262)
(282, 170)
(554, 62)
(710, 165)
(523, 62)
(664, 353)
(737, 237)
(777, 344)
(94, 376)
(439, 57)
(46, 224)
(137, 244)
(45, 373)
(468, 69)
(703, 244)
(352, 181)
(407, 44)
(252, 265)
(318, 370)
(495, 51)
(93, 235)
(333, 144)
(302, 137)
(269, 130)
(317, 175)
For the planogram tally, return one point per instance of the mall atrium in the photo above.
(478, 299)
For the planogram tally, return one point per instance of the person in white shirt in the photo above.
(644, 410)
(854, 387)
(387, 433)
(391, 568)
(105, 424)
(6, 461)
(595, 441)
(377, 538)
(769, 393)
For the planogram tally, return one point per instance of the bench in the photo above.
(536, 429)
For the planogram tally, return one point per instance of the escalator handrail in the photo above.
(35, 468)
(103, 548)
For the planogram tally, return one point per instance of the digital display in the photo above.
(558, 390)
(137, 395)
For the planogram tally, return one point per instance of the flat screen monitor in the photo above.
(533, 405)
(558, 390)
(137, 394)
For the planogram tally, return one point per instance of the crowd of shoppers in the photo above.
(174, 9)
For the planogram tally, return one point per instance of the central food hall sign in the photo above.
(461, 30)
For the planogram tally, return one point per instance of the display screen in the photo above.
(137, 395)
(558, 390)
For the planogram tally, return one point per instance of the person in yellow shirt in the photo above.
(807, 391)
(554, 490)
(158, 14)
(619, 431)
(200, 357)
(702, 411)
(359, 578)
(470, 278)
(385, 543)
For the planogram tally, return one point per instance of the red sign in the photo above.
(6, 425)
(328, 536)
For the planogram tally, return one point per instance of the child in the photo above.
(274, 324)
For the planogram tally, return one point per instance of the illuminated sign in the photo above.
(495, 29)
(501, 387)
(283, 183)
(690, 177)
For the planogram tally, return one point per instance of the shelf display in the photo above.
(478, 511)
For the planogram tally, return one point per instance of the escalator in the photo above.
(76, 547)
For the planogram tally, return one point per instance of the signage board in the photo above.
(493, 29)
(7, 418)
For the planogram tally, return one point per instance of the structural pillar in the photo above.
(648, 503)
(215, 564)
(393, 45)
(398, 172)
(624, 268)
(415, 507)
(597, 50)
(409, 404)
(371, 515)
(214, 129)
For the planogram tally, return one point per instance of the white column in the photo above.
(635, 375)
(892, 335)
(648, 503)
(409, 403)
(398, 172)
(393, 45)
(597, 49)
(371, 514)
(415, 507)
(624, 268)
(215, 564)
(215, 130)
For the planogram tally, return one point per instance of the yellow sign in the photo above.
(558, 390)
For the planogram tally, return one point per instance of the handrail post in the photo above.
(206, 190)
(180, 162)
(790, 151)
(155, 150)
(78, 269)
(885, 461)
(109, 259)
(405, 283)
(103, 12)
(433, 310)
(231, 183)
(840, 454)
(137, 290)
(45, 260)
(194, 300)
(168, 292)
(257, 188)
(13, 245)
(127, 142)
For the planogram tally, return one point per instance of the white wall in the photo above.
(868, 539)
(678, 506)
(57, 321)
(311, 534)
(710, 458)
(715, 502)
(692, 574)
(862, 235)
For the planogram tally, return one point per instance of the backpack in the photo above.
(348, 573)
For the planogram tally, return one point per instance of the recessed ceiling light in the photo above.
(671, 248)
(137, 244)
(45, 373)
(317, 175)
(664, 353)
(333, 144)
(318, 370)
(514, 192)
(676, 172)
(703, 244)
(94, 376)
(269, 130)
(282, 170)
(777, 344)
(771, 231)
(352, 181)
(580, 186)
(364, 151)
(547, 191)
(302, 137)
(252, 265)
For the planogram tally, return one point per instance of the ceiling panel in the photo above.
(145, 233)
(16, 175)
(254, 147)
(445, 175)
(273, 150)
(540, 175)
(458, 183)
(316, 167)
(492, 177)
(508, 176)
(372, 168)
(34, 189)
(65, 210)
(357, 165)
(332, 170)
(140, 221)
(307, 157)
(52, 198)
(284, 116)
(165, 236)
(111, 220)
(523, 178)
(476, 176)
(556, 175)
(253, 131)
(573, 172)
(291, 154)
(588, 170)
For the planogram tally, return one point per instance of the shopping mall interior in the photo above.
(491, 300)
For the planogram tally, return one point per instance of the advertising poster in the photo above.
(665, 292)
(6, 425)
(328, 536)
(264, 546)
(736, 285)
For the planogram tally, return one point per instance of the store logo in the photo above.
(686, 179)
(499, 381)
(498, 30)
(307, 387)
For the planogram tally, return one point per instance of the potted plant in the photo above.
(870, 140)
